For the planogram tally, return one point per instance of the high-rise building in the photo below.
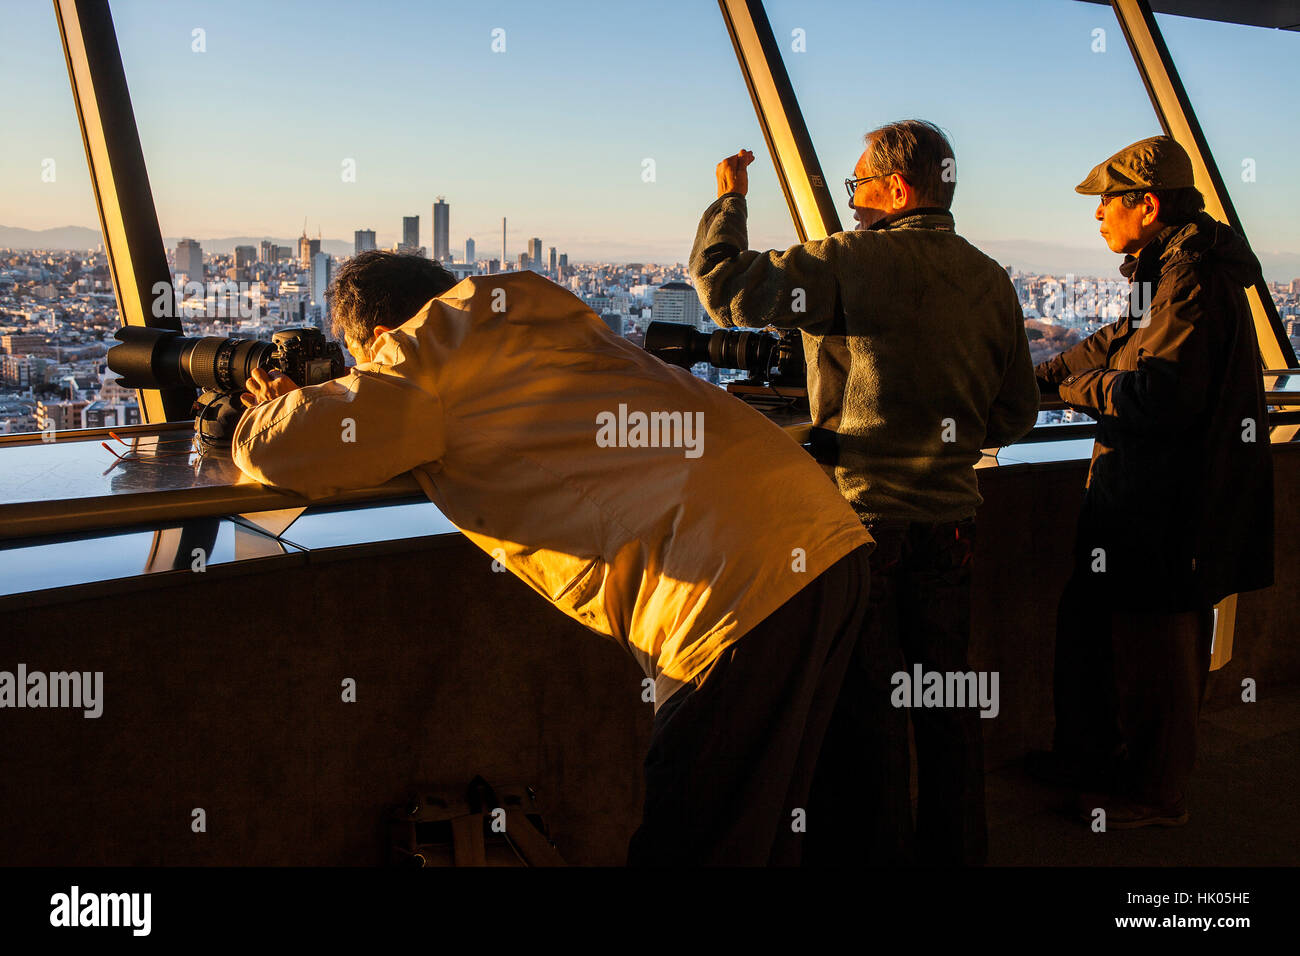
(410, 233)
(504, 257)
(293, 305)
(16, 371)
(267, 251)
(16, 343)
(322, 267)
(102, 414)
(469, 251)
(676, 302)
(59, 415)
(523, 261)
(553, 263)
(363, 240)
(535, 251)
(564, 261)
(245, 256)
(189, 259)
(441, 230)
(494, 266)
(305, 251)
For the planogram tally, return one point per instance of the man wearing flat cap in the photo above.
(1178, 511)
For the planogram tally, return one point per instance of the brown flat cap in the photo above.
(1155, 163)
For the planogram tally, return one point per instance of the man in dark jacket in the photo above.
(917, 359)
(1178, 511)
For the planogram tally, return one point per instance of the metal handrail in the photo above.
(88, 434)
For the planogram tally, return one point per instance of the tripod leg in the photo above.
(467, 840)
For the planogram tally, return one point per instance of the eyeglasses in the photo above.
(1107, 197)
(852, 184)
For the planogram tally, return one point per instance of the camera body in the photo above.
(161, 358)
(305, 356)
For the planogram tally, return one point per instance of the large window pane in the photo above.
(1242, 81)
(1033, 94)
(57, 310)
(593, 130)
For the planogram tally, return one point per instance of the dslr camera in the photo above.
(161, 358)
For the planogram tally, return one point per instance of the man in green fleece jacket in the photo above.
(917, 359)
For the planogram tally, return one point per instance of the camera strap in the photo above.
(824, 445)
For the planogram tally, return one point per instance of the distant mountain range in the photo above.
(334, 247)
(1051, 259)
(64, 237)
(79, 237)
(1039, 257)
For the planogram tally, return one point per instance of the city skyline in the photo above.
(573, 171)
(1028, 257)
(58, 314)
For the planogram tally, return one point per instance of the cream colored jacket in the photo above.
(645, 503)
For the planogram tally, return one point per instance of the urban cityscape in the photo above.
(58, 313)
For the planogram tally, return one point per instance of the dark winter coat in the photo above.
(1180, 488)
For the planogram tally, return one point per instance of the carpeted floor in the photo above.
(1244, 803)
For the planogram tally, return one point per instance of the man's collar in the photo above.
(922, 217)
(1148, 257)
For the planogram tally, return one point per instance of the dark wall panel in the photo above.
(225, 694)
(222, 691)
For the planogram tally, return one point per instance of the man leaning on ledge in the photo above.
(742, 603)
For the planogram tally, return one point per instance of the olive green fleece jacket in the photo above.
(916, 349)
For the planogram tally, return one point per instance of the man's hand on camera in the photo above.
(732, 177)
(263, 386)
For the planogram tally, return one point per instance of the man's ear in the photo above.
(900, 191)
(1149, 217)
(374, 339)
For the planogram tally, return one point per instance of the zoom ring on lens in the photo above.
(205, 360)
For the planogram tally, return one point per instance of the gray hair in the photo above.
(919, 152)
(1177, 206)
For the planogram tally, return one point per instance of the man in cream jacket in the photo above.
(646, 504)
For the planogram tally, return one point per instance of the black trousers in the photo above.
(1128, 686)
(920, 614)
(730, 770)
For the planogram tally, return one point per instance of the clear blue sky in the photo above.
(249, 137)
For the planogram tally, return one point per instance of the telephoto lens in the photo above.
(159, 358)
(162, 358)
(747, 349)
(676, 344)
